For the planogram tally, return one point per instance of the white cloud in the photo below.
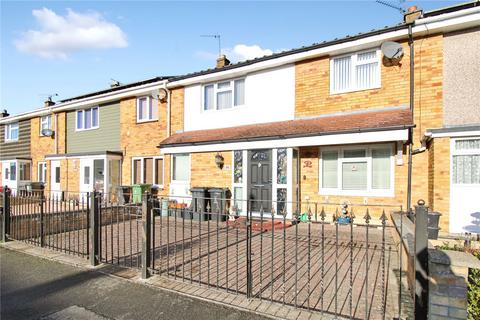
(245, 52)
(60, 36)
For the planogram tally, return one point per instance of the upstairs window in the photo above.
(224, 95)
(11, 132)
(358, 71)
(45, 123)
(87, 119)
(146, 109)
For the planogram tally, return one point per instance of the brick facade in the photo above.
(313, 99)
(205, 173)
(139, 139)
(41, 146)
(439, 179)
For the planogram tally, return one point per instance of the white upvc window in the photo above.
(148, 170)
(357, 71)
(357, 171)
(466, 161)
(87, 119)
(42, 172)
(181, 167)
(224, 95)
(147, 110)
(45, 123)
(11, 132)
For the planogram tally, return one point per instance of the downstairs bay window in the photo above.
(357, 171)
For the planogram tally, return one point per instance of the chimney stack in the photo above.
(222, 61)
(412, 14)
(48, 103)
(4, 113)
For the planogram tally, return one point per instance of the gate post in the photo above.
(94, 225)
(421, 260)
(42, 217)
(249, 249)
(6, 214)
(146, 235)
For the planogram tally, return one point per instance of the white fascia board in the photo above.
(89, 101)
(322, 140)
(453, 134)
(100, 156)
(448, 22)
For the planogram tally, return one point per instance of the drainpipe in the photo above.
(56, 134)
(410, 130)
(410, 17)
(168, 109)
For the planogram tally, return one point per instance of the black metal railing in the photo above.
(327, 257)
(332, 258)
(46, 220)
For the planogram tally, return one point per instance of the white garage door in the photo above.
(465, 185)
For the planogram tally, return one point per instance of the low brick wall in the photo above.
(449, 283)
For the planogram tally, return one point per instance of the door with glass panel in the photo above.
(465, 185)
(260, 180)
(55, 178)
(86, 179)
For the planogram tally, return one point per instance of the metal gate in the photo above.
(342, 263)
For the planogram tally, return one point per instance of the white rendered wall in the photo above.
(269, 97)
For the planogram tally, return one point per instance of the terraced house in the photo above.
(326, 123)
(330, 123)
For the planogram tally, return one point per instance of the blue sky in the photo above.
(75, 47)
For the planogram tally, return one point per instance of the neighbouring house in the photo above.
(329, 123)
(326, 124)
(454, 145)
(15, 156)
(106, 140)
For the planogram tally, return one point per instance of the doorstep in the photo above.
(264, 308)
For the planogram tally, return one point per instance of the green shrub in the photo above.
(473, 294)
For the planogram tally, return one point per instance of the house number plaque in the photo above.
(307, 164)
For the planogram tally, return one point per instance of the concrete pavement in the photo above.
(35, 288)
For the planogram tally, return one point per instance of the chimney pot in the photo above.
(412, 9)
(222, 61)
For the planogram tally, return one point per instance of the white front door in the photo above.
(465, 185)
(55, 178)
(86, 177)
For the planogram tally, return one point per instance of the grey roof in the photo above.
(322, 44)
(123, 86)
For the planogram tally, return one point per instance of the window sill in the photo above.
(146, 121)
(89, 129)
(354, 90)
(11, 141)
(243, 106)
(358, 193)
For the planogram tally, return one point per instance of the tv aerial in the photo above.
(215, 36)
(397, 5)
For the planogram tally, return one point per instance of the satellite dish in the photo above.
(47, 132)
(392, 50)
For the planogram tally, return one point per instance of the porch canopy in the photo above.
(379, 125)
